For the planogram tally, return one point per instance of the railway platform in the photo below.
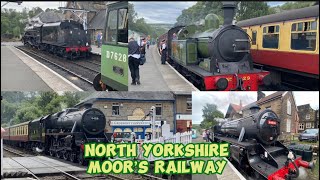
(38, 165)
(96, 50)
(155, 76)
(229, 172)
(20, 72)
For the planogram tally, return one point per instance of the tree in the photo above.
(210, 115)
(251, 9)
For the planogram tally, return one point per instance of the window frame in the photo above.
(288, 125)
(308, 116)
(189, 100)
(159, 105)
(308, 125)
(263, 34)
(115, 105)
(316, 31)
(289, 109)
(254, 32)
(301, 125)
(117, 43)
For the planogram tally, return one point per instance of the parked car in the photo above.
(309, 135)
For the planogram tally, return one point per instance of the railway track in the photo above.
(80, 73)
(77, 175)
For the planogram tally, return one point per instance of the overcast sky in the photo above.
(30, 4)
(169, 10)
(223, 99)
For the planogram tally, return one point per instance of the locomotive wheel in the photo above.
(58, 155)
(66, 155)
(73, 157)
(81, 159)
(51, 153)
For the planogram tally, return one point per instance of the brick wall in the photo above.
(128, 107)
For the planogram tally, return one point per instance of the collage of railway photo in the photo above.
(165, 90)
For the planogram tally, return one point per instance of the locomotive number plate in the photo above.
(116, 56)
(244, 78)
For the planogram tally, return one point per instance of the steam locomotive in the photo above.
(213, 57)
(62, 134)
(67, 39)
(254, 147)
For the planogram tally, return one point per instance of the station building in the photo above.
(183, 101)
(126, 111)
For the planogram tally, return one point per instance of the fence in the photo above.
(183, 138)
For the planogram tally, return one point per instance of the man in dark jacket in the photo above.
(163, 52)
(134, 61)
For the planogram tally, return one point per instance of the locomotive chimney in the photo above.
(228, 12)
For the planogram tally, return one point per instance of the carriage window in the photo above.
(271, 37)
(304, 37)
(112, 26)
(254, 37)
(123, 26)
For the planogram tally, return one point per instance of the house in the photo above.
(233, 111)
(127, 111)
(308, 117)
(183, 111)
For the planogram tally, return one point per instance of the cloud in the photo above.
(42, 4)
(223, 99)
(276, 3)
(160, 12)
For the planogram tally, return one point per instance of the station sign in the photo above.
(133, 123)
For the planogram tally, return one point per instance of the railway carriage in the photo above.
(114, 51)
(287, 43)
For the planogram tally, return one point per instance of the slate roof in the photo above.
(98, 20)
(307, 12)
(49, 17)
(127, 95)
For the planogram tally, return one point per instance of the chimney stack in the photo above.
(228, 12)
(260, 95)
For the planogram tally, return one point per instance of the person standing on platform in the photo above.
(134, 61)
(99, 39)
(204, 135)
(163, 52)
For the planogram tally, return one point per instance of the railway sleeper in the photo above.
(18, 174)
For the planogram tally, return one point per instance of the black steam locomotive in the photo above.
(62, 134)
(254, 147)
(67, 39)
(213, 57)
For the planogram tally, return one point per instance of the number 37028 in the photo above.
(116, 56)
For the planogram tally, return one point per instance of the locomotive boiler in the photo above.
(213, 57)
(66, 38)
(62, 134)
(262, 126)
(254, 147)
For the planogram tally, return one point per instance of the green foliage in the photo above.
(18, 107)
(13, 22)
(245, 10)
(251, 9)
(210, 113)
